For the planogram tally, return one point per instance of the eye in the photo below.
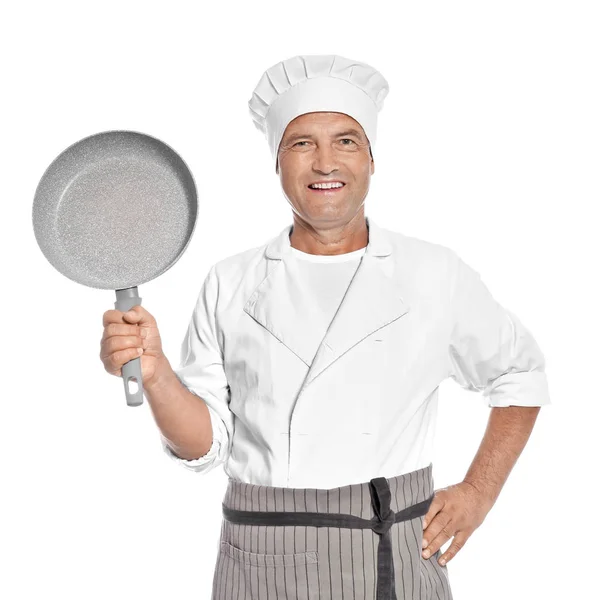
(347, 140)
(303, 142)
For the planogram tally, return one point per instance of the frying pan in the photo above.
(113, 211)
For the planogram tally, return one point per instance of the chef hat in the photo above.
(317, 83)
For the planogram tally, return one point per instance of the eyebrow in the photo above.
(299, 136)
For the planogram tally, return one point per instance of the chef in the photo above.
(313, 363)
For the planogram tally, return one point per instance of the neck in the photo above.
(329, 239)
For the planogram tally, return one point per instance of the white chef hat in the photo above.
(317, 83)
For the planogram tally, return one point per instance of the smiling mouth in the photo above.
(331, 190)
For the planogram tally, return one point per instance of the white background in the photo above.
(483, 145)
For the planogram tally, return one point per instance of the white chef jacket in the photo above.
(361, 401)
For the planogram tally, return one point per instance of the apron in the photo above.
(358, 542)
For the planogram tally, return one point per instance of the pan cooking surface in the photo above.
(115, 210)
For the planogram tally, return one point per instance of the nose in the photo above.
(325, 159)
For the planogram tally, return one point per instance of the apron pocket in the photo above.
(253, 575)
(269, 560)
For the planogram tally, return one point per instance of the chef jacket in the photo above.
(361, 400)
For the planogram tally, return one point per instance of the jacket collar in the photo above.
(372, 300)
(378, 244)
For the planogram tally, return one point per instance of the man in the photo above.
(317, 358)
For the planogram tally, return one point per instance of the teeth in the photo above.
(326, 186)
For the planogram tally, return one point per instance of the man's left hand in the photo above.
(456, 511)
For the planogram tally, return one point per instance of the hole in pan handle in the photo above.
(132, 371)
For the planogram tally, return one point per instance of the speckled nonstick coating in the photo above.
(113, 211)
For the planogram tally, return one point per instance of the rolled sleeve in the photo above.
(201, 370)
(208, 461)
(490, 350)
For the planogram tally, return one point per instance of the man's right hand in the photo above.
(123, 341)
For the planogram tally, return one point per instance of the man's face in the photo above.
(332, 147)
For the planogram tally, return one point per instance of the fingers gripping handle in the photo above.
(132, 370)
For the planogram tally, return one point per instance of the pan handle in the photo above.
(132, 371)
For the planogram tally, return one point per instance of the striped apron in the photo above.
(354, 542)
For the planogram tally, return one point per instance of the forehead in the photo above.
(322, 120)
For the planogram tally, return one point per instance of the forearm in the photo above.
(505, 437)
(182, 417)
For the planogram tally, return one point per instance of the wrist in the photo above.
(162, 373)
(483, 489)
